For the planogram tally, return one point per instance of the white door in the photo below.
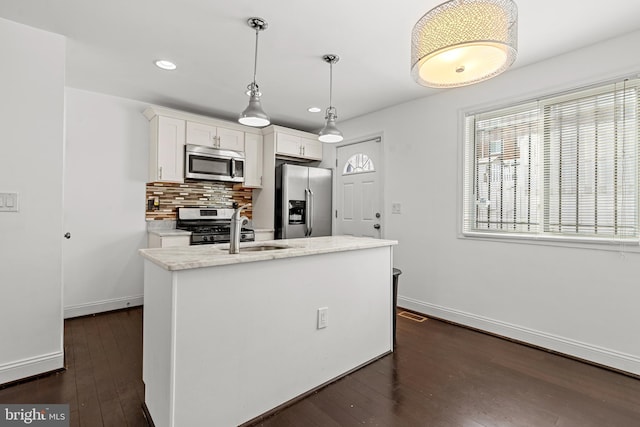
(359, 198)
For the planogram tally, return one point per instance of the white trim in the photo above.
(31, 366)
(101, 306)
(622, 246)
(600, 355)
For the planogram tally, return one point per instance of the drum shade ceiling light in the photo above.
(330, 133)
(462, 42)
(254, 115)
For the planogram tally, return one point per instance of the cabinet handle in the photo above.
(160, 173)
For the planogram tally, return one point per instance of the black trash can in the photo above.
(396, 273)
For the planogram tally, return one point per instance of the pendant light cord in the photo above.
(330, 84)
(255, 60)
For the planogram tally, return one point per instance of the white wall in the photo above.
(106, 166)
(578, 301)
(31, 159)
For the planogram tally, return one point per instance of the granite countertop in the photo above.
(189, 257)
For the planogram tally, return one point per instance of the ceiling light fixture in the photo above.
(314, 109)
(254, 115)
(165, 64)
(462, 42)
(330, 133)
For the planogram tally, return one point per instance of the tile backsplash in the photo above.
(202, 193)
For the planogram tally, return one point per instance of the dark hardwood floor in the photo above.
(103, 380)
(440, 375)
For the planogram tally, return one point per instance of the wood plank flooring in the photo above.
(103, 380)
(440, 375)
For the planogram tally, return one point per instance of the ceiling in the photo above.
(112, 46)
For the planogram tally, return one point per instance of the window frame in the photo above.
(541, 237)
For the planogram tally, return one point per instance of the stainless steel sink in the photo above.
(260, 248)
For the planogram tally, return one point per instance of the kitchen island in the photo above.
(228, 338)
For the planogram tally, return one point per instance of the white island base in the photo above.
(237, 335)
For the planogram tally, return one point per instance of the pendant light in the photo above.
(254, 115)
(330, 133)
(462, 42)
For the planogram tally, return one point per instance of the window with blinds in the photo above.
(560, 166)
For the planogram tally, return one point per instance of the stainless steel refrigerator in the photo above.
(303, 202)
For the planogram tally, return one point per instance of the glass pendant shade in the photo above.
(254, 115)
(462, 42)
(330, 133)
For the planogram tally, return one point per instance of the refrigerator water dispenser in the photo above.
(297, 211)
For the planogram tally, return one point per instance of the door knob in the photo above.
(376, 226)
(67, 235)
(377, 214)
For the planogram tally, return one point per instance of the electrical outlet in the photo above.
(323, 317)
(396, 208)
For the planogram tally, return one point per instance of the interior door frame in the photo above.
(380, 169)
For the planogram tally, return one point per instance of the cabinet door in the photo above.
(311, 148)
(253, 153)
(288, 145)
(201, 134)
(169, 145)
(230, 139)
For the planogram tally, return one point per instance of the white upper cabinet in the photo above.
(294, 146)
(311, 148)
(215, 136)
(166, 154)
(253, 153)
(231, 139)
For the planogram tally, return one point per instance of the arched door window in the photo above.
(358, 163)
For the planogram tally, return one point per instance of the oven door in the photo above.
(204, 163)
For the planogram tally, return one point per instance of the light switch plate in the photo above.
(323, 317)
(396, 208)
(8, 202)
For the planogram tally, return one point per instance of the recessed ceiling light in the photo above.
(314, 109)
(165, 65)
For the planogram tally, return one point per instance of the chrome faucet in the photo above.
(236, 227)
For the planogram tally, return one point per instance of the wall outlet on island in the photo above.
(323, 317)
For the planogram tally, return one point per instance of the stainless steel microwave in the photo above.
(212, 164)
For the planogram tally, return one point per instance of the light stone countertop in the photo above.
(198, 256)
(169, 232)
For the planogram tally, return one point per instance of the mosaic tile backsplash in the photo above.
(203, 193)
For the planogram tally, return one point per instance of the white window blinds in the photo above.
(565, 166)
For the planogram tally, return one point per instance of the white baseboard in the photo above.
(603, 356)
(26, 368)
(101, 306)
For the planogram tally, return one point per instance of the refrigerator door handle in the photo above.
(310, 212)
(307, 217)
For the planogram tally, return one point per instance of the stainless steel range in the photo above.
(209, 225)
